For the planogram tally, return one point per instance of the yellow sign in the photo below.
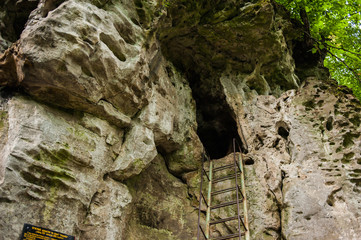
(31, 232)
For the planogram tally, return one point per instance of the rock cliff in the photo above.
(106, 107)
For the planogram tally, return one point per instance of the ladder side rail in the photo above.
(243, 189)
(235, 171)
(200, 202)
(243, 139)
(209, 198)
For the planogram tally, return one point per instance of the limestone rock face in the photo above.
(305, 150)
(52, 167)
(241, 35)
(161, 207)
(321, 189)
(120, 103)
(97, 56)
(106, 108)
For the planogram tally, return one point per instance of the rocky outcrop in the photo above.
(304, 146)
(107, 106)
(161, 208)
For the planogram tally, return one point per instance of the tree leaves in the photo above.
(335, 25)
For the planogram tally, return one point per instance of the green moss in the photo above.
(320, 103)
(346, 114)
(78, 133)
(309, 104)
(58, 157)
(324, 87)
(56, 176)
(138, 163)
(339, 149)
(357, 181)
(3, 119)
(148, 233)
(348, 139)
(356, 120)
(347, 157)
(50, 203)
(55, 173)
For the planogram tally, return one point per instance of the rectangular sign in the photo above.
(31, 232)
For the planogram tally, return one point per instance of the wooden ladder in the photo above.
(239, 188)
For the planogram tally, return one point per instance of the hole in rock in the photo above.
(249, 161)
(329, 123)
(283, 132)
(276, 142)
(216, 122)
(282, 129)
(6, 93)
(50, 5)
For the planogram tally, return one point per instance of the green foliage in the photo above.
(335, 28)
(166, 3)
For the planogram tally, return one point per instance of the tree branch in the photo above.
(339, 59)
(341, 48)
(344, 63)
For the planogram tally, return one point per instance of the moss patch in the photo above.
(160, 203)
(348, 139)
(347, 157)
(309, 104)
(356, 120)
(3, 119)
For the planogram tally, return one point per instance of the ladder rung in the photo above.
(223, 220)
(233, 235)
(223, 191)
(226, 166)
(224, 178)
(225, 204)
(223, 167)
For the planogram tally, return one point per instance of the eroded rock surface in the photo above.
(305, 149)
(107, 106)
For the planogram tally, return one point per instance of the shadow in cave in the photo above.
(15, 17)
(216, 122)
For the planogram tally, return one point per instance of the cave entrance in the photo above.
(216, 121)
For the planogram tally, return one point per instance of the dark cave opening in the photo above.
(15, 17)
(283, 132)
(216, 121)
